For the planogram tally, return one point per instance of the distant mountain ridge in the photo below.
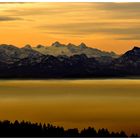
(11, 54)
(70, 49)
(129, 62)
(66, 61)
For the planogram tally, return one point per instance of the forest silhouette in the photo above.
(33, 130)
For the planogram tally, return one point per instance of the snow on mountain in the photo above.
(10, 54)
(57, 49)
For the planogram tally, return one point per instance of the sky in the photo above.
(106, 26)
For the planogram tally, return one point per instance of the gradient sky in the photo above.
(107, 26)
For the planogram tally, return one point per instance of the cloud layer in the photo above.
(6, 18)
(112, 21)
(80, 18)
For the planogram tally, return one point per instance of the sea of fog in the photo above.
(112, 104)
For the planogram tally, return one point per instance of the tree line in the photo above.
(28, 129)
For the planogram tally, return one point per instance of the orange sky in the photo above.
(107, 26)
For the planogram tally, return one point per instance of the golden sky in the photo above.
(107, 26)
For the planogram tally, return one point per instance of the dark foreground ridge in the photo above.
(28, 129)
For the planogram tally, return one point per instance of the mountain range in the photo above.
(66, 61)
(57, 49)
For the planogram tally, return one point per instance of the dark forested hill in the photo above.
(27, 129)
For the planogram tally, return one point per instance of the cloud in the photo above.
(126, 6)
(85, 28)
(13, 2)
(105, 10)
(130, 37)
(119, 20)
(80, 10)
(6, 18)
(130, 10)
(33, 11)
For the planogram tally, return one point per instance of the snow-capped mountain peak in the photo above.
(57, 44)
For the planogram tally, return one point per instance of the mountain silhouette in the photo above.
(129, 62)
(72, 62)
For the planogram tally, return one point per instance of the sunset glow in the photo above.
(107, 26)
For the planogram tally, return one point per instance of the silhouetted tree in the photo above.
(89, 132)
(134, 136)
